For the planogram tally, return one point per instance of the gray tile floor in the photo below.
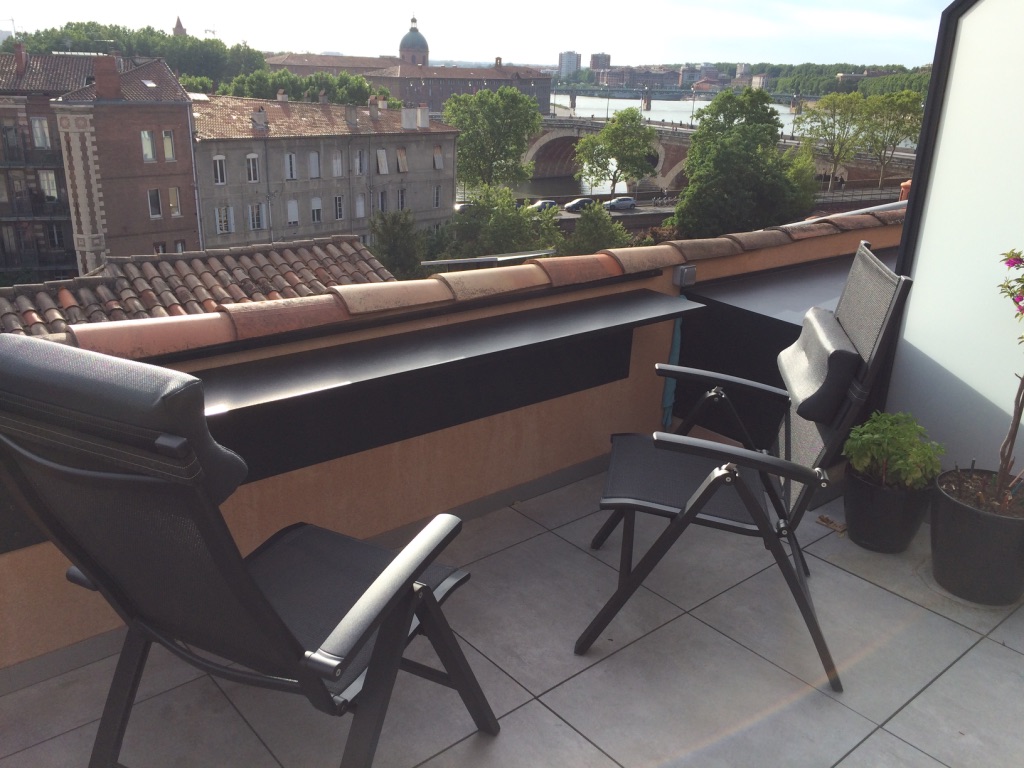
(708, 665)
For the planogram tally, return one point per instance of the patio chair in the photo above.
(114, 461)
(828, 373)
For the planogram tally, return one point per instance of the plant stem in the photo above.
(1006, 449)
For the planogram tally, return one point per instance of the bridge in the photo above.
(553, 153)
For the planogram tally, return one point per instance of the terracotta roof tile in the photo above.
(649, 257)
(695, 250)
(571, 270)
(370, 298)
(856, 221)
(478, 283)
(55, 74)
(178, 285)
(150, 80)
(806, 230)
(891, 216)
(762, 238)
(256, 320)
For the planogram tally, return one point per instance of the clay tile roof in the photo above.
(48, 73)
(151, 80)
(230, 117)
(175, 285)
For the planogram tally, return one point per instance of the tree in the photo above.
(619, 152)
(495, 130)
(890, 120)
(738, 180)
(595, 229)
(397, 244)
(834, 127)
(196, 84)
(493, 224)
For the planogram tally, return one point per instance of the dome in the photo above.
(413, 40)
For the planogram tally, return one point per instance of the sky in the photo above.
(667, 31)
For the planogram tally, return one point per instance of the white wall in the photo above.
(956, 362)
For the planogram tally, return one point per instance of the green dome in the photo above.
(413, 40)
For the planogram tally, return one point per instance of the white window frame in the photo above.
(382, 201)
(316, 210)
(290, 171)
(55, 235)
(359, 162)
(293, 213)
(437, 196)
(174, 201)
(401, 200)
(257, 216)
(168, 137)
(148, 146)
(314, 165)
(438, 158)
(220, 170)
(155, 209)
(339, 207)
(252, 167)
(40, 132)
(225, 219)
(361, 205)
(338, 163)
(47, 184)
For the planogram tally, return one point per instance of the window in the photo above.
(148, 147)
(314, 165)
(401, 199)
(168, 146)
(359, 162)
(337, 163)
(339, 207)
(252, 167)
(154, 204)
(438, 158)
(174, 201)
(48, 185)
(403, 162)
(159, 247)
(220, 175)
(179, 246)
(55, 235)
(382, 161)
(225, 219)
(289, 166)
(257, 216)
(382, 200)
(40, 133)
(293, 213)
(361, 206)
(316, 213)
(437, 196)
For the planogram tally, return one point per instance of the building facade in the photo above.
(568, 63)
(600, 60)
(270, 171)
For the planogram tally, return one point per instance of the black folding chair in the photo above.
(114, 461)
(828, 374)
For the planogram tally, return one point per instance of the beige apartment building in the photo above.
(269, 171)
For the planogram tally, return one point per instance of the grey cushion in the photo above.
(819, 367)
(99, 392)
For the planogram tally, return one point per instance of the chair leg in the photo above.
(446, 646)
(118, 708)
(793, 572)
(606, 530)
(372, 702)
(626, 552)
(627, 586)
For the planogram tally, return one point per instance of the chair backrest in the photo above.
(114, 461)
(830, 370)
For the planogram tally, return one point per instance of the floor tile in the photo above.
(971, 716)
(684, 695)
(883, 750)
(909, 574)
(702, 563)
(531, 736)
(886, 649)
(423, 718)
(488, 534)
(524, 607)
(565, 504)
(1011, 632)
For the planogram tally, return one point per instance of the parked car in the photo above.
(543, 205)
(459, 207)
(578, 204)
(620, 204)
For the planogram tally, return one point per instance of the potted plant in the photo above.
(893, 465)
(978, 515)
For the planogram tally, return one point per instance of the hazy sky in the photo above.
(667, 31)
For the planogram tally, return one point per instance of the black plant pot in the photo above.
(976, 555)
(882, 519)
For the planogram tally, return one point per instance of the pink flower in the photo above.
(1013, 261)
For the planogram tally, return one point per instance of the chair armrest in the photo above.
(680, 373)
(383, 595)
(730, 454)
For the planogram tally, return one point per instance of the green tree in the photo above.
(495, 130)
(243, 60)
(397, 244)
(595, 229)
(493, 224)
(196, 84)
(890, 120)
(738, 180)
(834, 127)
(619, 152)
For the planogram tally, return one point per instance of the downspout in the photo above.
(195, 176)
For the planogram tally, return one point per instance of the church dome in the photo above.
(414, 48)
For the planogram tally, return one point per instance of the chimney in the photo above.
(20, 59)
(423, 116)
(374, 109)
(383, 104)
(282, 95)
(259, 119)
(108, 81)
(352, 115)
(409, 117)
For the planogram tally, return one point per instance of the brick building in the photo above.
(272, 171)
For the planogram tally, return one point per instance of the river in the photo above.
(683, 112)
